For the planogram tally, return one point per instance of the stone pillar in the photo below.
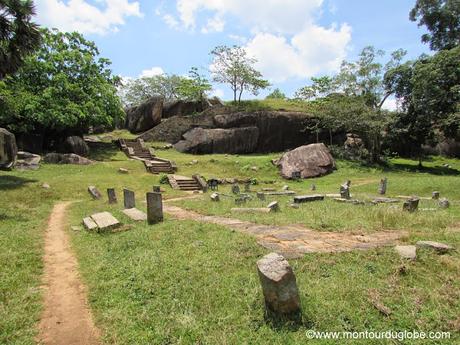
(435, 195)
(154, 208)
(94, 192)
(129, 198)
(235, 189)
(345, 190)
(112, 195)
(278, 285)
(411, 205)
(383, 186)
(156, 189)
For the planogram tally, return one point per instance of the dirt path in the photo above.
(295, 240)
(66, 318)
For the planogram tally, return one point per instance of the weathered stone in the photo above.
(68, 158)
(407, 252)
(285, 188)
(252, 210)
(235, 140)
(27, 161)
(385, 201)
(145, 116)
(182, 108)
(444, 203)
(254, 168)
(105, 220)
(313, 187)
(274, 206)
(8, 149)
(135, 214)
(129, 199)
(383, 186)
(308, 198)
(215, 197)
(437, 246)
(310, 160)
(296, 206)
(112, 196)
(288, 192)
(411, 205)
(96, 195)
(278, 284)
(235, 189)
(156, 189)
(76, 145)
(154, 208)
(46, 186)
(89, 223)
(345, 190)
(435, 195)
(123, 171)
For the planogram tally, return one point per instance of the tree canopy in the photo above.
(65, 87)
(19, 36)
(233, 66)
(442, 19)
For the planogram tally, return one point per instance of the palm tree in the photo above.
(18, 35)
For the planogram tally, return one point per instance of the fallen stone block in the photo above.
(407, 252)
(274, 206)
(215, 197)
(441, 248)
(279, 285)
(308, 198)
(252, 210)
(96, 195)
(89, 223)
(105, 220)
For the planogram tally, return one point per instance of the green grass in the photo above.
(272, 104)
(183, 282)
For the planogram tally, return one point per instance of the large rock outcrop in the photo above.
(27, 161)
(219, 140)
(67, 158)
(145, 116)
(8, 149)
(307, 161)
(181, 108)
(77, 145)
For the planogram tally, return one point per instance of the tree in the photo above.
(232, 65)
(64, 88)
(442, 19)
(429, 90)
(321, 87)
(276, 94)
(170, 87)
(18, 35)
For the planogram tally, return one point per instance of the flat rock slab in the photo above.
(407, 252)
(135, 214)
(293, 241)
(349, 201)
(308, 198)
(89, 223)
(105, 220)
(252, 210)
(385, 201)
(287, 192)
(437, 246)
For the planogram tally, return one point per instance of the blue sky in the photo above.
(293, 40)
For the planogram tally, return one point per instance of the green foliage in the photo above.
(170, 87)
(442, 19)
(164, 179)
(276, 94)
(63, 88)
(321, 87)
(232, 66)
(18, 35)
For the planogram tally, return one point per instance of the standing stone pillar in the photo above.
(435, 195)
(345, 190)
(154, 208)
(235, 189)
(112, 195)
(279, 285)
(383, 186)
(156, 189)
(129, 198)
(411, 205)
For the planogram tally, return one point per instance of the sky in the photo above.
(292, 40)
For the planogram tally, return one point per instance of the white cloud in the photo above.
(171, 21)
(152, 72)
(216, 92)
(81, 16)
(286, 40)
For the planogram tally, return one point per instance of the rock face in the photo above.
(145, 116)
(278, 284)
(27, 161)
(181, 108)
(77, 145)
(310, 160)
(67, 158)
(234, 140)
(8, 149)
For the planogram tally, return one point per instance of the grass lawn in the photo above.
(184, 282)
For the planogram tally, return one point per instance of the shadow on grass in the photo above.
(436, 170)
(8, 182)
(103, 151)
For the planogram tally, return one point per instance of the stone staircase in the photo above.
(137, 150)
(187, 183)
